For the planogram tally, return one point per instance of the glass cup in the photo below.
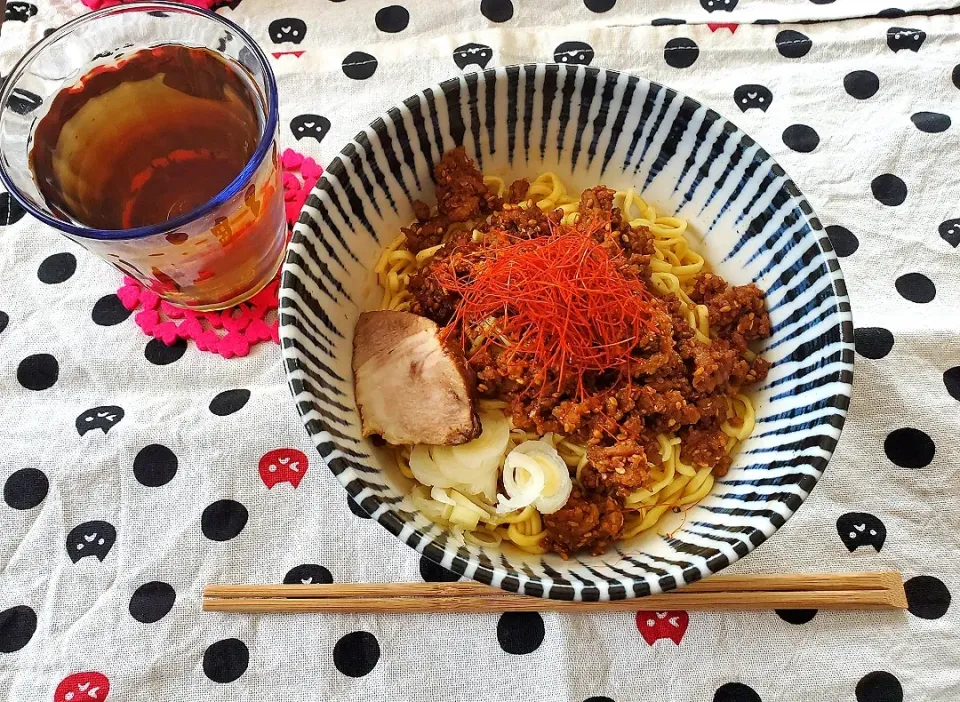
(216, 255)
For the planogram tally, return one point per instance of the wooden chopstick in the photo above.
(863, 591)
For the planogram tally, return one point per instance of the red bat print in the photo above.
(714, 26)
(283, 465)
(654, 626)
(278, 54)
(87, 686)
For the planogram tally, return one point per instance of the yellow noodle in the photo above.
(426, 254)
(483, 537)
(495, 184)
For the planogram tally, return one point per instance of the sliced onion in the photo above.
(440, 495)
(553, 486)
(472, 467)
(425, 469)
(430, 508)
(465, 513)
(486, 451)
(523, 481)
(448, 505)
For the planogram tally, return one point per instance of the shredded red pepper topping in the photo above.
(561, 302)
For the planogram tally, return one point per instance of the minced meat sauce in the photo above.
(676, 383)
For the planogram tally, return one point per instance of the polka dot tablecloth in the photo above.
(134, 473)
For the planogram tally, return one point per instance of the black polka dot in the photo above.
(796, 616)
(891, 13)
(497, 10)
(11, 211)
(520, 633)
(931, 122)
(17, 626)
(879, 686)
(792, 44)
(109, 311)
(155, 465)
(909, 448)
(800, 137)
(598, 698)
(159, 354)
(57, 268)
(861, 84)
(229, 401)
(223, 520)
(392, 19)
(927, 597)
(872, 342)
(766, 21)
(38, 372)
(25, 488)
(356, 654)
(435, 573)
(599, 5)
(356, 509)
(951, 379)
(889, 190)
(844, 242)
(4, 320)
(308, 574)
(956, 76)
(681, 52)
(226, 660)
(359, 65)
(152, 601)
(735, 692)
(916, 287)
(666, 22)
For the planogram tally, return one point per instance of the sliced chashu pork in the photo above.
(410, 387)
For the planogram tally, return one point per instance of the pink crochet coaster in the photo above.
(100, 4)
(233, 331)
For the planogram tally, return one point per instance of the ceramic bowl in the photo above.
(591, 127)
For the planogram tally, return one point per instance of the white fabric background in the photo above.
(82, 608)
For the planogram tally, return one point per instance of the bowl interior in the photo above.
(590, 127)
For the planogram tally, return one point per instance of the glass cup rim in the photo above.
(263, 147)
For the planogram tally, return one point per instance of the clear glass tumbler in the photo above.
(215, 255)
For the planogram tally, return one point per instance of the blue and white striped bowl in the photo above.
(591, 127)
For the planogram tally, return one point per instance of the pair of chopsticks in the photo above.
(858, 591)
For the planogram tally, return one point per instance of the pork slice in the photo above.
(410, 387)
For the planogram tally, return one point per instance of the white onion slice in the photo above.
(465, 513)
(425, 470)
(471, 468)
(440, 495)
(430, 508)
(523, 481)
(553, 486)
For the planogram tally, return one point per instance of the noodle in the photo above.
(675, 485)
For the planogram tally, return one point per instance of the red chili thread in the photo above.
(561, 302)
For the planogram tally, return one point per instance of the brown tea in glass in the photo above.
(161, 159)
(147, 139)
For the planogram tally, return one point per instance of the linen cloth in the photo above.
(865, 123)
